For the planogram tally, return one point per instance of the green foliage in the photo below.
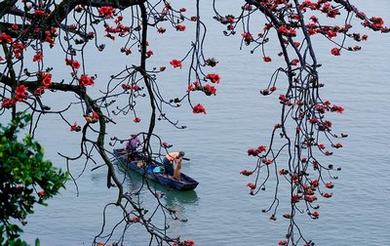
(26, 179)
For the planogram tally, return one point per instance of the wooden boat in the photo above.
(185, 182)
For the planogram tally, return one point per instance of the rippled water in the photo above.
(220, 211)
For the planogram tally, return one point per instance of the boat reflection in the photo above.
(171, 196)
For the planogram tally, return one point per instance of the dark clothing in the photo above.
(133, 144)
(168, 166)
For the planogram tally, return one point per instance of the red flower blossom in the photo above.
(137, 120)
(135, 219)
(21, 93)
(267, 59)
(209, 90)
(41, 193)
(38, 57)
(327, 195)
(39, 13)
(310, 198)
(283, 172)
(73, 63)
(315, 214)
(189, 243)
(329, 185)
(213, 77)
(86, 80)
(282, 243)
(176, 63)
(337, 109)
(251, 186)
(95, 115)
(8, 103)
(75, 127)
(321, 146)
(194, 18)
(295, 198)
(106, 11)
(247, 36)
(5, 38)
(314, 182)
(180, 28)
(335, 51)
(294, 62)
(267, 161)
(39, 91)
(46, 79)
(161, 30)
(199, 108)
(246, 172)
(287, 31)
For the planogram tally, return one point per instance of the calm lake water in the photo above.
(220, 211)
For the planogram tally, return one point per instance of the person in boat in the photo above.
(169, 160)
(131, 147)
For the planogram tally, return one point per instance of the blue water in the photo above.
(220, 211)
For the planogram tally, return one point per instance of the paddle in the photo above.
(186, 159)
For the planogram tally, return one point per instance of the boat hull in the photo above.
(185, 182)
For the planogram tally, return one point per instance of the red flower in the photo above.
(314, 182)
(287, 31)
(199, 108)
(310, 198)
(39, 12)
(39, 91)
(329, 185)
(135, 219)
(149, 53)
(251, 186)
(315, 214)
(21, 93)
(327, 195)
(137, 120)
(176, 63)
(75, 127)
(294, 62)
(337, 109)
(282, 243)
(213, 77)
(194, 18)
(295, 198)
(38, 57)
(46, 79)
(283, 172)
(209, 90)
(247, 36)
(261, 148)
(267, 59)
(335, 51)
(86, 80)
(41, 193)
(321, 146)
(161, 30)
(95, 116)
(8, 103)
(106, 11)
(73, 63)
(189, 243)
(313, 120)
(180, 28)
(5, 38)
(246, 172)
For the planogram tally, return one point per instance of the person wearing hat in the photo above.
(131, 147)
(169, 159)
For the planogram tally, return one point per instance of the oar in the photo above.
(186, 159)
